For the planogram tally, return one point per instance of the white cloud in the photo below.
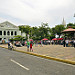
(33, 12)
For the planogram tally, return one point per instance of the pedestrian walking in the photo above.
(25, 43)
(64, 43)
(28, 44)
(11, 46)
(41, 43)
(36, 43)
(31, 49)
(74, 43)
(67, 42)
(8, 45)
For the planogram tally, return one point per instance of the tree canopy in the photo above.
(71, 24)
(43, 31)
(58, 29)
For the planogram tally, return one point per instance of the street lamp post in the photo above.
(28, 37)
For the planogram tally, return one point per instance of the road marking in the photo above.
(20, 64)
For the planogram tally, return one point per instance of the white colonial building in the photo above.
(8, 31)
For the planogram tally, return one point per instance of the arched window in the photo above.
(4, 32)
(8, 33)
(0, 32)
(15, 33)
(11, 32)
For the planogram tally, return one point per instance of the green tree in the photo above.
(71, 24)
(58, 29)
(44, 30)
(18, 38)
(26, 29)
(35, 32)
(53, 32)
(52, 36)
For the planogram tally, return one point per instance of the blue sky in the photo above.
(34, 12)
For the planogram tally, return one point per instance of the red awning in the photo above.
(60, 39)
(55, 39)
(44, 39)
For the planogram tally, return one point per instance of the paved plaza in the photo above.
(56, 51)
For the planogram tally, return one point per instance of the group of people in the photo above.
(29, 45)
(67, 42)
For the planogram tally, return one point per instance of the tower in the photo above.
(64, 23)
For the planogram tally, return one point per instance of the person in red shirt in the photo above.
(31, 47)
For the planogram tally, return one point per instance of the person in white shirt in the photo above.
(67, 41)
(11, 45)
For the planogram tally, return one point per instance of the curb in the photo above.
(46, 57)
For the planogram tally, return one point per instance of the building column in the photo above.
(10, 33)
(6, 32)
(13, 33)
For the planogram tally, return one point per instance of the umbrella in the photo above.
(60, 38)
(30, 39)
(55, 39)
(44, 39)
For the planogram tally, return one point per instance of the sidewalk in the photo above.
(55, 51)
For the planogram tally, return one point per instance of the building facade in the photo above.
(8, 31)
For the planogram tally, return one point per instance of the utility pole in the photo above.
(74, 16)
(28, 37)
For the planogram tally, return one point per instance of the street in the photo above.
(16, 63)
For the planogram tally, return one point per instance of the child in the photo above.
(31, 47)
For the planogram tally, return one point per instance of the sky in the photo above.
(34, 12)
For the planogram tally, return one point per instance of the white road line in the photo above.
(20, 65)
